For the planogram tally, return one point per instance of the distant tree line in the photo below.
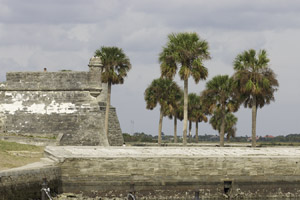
(147, 138)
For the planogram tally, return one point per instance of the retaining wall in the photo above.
(179, 173)
(26, 183)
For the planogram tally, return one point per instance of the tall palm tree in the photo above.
(230, 122)
(187, 52)
(192, 106)
(219, 96)
(164, 92)
(255, 81)
(115, 68)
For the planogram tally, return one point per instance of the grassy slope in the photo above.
(15, 155)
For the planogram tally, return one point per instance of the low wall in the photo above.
(178, 172)
(26, 182)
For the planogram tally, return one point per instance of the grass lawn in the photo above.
(15, 155)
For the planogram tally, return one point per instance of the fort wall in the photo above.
(67, 105)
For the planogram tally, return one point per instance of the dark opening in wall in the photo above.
(197, 195)
(227, 186)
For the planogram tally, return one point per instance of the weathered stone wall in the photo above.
(152, 173)
(55, 81)
(67, 105)
(20, 184)
(114, 128)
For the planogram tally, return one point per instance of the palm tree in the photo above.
(230, 122)
(219, 96)
(165, 92)
(195, 113)
(192, 106)
(187, 51)
(255, 81)
(115, 68)
(175, 111)
(199, 115)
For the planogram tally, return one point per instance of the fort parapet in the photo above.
(67, 105)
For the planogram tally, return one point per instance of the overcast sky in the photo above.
(63, 34)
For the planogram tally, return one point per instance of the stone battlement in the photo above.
(67, 105)
(47, 81)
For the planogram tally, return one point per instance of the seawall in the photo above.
(26, 182)
(159, 173)
(179, 172)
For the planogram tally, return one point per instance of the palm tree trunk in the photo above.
(222, 132)
(196, 132)
(107, 109)
(185, 112)
(175, 129)
(160, 126)
(254, 111)
(190, 128)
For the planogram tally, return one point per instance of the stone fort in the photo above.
(66, 105)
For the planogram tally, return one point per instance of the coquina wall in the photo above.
(180, 173)
(20, 184)
(67, 105)
(159, 173)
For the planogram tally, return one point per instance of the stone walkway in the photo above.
(62, 152)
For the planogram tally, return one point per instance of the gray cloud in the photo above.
(229, 15)
(59, 12)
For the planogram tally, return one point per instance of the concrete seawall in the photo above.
(26, 182)
(179, 172)
(159, 173)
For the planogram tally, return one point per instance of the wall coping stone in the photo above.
(64, 152)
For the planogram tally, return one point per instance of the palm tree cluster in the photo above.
(167, 94)
(253, 84)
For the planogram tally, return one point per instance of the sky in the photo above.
(64, 34)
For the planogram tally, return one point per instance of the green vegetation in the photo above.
(219, 97)
(289, 140)
(115, 68)
(15, 155)
(139, 137)
(164, 92)
(187, 52)
(255, 82)
(196, 113)
(229, 121)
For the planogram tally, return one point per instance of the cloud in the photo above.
(59, 12)
(228, 14)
